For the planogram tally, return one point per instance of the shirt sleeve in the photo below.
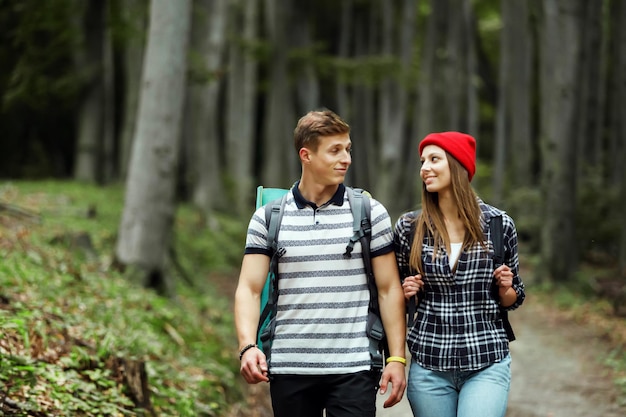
(402, 243)
(256, 237)
(511, 259)
(382, 234)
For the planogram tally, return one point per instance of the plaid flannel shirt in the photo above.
(458, 324)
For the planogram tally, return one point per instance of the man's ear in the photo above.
(305, 155)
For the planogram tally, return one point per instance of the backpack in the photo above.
(362, 232)
(497, 233)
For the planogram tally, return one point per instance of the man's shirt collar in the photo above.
(302, 202)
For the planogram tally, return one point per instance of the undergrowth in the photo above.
(77, 339)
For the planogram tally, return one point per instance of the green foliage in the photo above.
(42, 39)
(67, 318)
(525, 206)
(598, 211)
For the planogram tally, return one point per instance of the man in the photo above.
(320, 352)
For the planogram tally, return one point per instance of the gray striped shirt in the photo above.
(323, 297)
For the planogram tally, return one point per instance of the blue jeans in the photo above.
(482, 393)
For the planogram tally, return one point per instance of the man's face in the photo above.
(330, 162)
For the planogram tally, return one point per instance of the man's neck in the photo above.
(317, 193)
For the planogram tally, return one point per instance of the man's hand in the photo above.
(393, 374)
(253, 366)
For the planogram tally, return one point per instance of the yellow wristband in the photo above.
(396, 359)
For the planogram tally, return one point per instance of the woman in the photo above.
(460, 351)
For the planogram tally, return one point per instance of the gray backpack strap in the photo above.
(361, 213)
(273, 216)
(360, 205)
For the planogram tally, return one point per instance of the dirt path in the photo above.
(556, 369)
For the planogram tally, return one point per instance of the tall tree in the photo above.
(521, 94)
(91, 112)
(343, 50)
(592, 88)
(617, 122)
(362, 103)
(513, 113)
(560, 41)
(203, 111)
(393, 99)
(109, 163)
(279, 162)
(241, 114)
(144, 236)
(307, 84)
(134, 18)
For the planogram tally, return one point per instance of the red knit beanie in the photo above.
(460, 145)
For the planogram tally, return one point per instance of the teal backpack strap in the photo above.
(267, 325)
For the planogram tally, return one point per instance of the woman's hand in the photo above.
(412, 285)
(503, 276)
(504, 280)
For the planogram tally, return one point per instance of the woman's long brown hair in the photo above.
(431, 222)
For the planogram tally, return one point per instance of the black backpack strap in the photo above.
(497, 237)
(273, 218)
(411, 305)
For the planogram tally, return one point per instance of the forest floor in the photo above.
(558, 368)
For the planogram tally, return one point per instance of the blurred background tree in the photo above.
(540, 84)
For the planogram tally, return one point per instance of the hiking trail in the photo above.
(557, 368)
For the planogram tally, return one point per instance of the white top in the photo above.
(455, 251)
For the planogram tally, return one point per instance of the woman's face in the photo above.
(435, 170)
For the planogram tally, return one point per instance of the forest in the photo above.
(197, 100)
(194, 102)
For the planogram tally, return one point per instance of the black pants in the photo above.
(349, 395)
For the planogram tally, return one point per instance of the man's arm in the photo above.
(392, 310)
(252, 278)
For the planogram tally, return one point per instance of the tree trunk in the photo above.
(241, 114)
(307, 83)
(393, 101)
(134, 15)
(519, 133)
(618, 14)
(343, 52)
(90, 113)
(145, 231)
(470, 33)
(279, 154)
(363, 171)
(109, 169)
(203, 115)
(591, 90)
(507, 40)
(560, 61)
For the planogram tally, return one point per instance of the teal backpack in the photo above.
(274, 200)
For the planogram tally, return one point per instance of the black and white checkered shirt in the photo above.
(458, 324)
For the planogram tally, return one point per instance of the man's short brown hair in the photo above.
(315, 124)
